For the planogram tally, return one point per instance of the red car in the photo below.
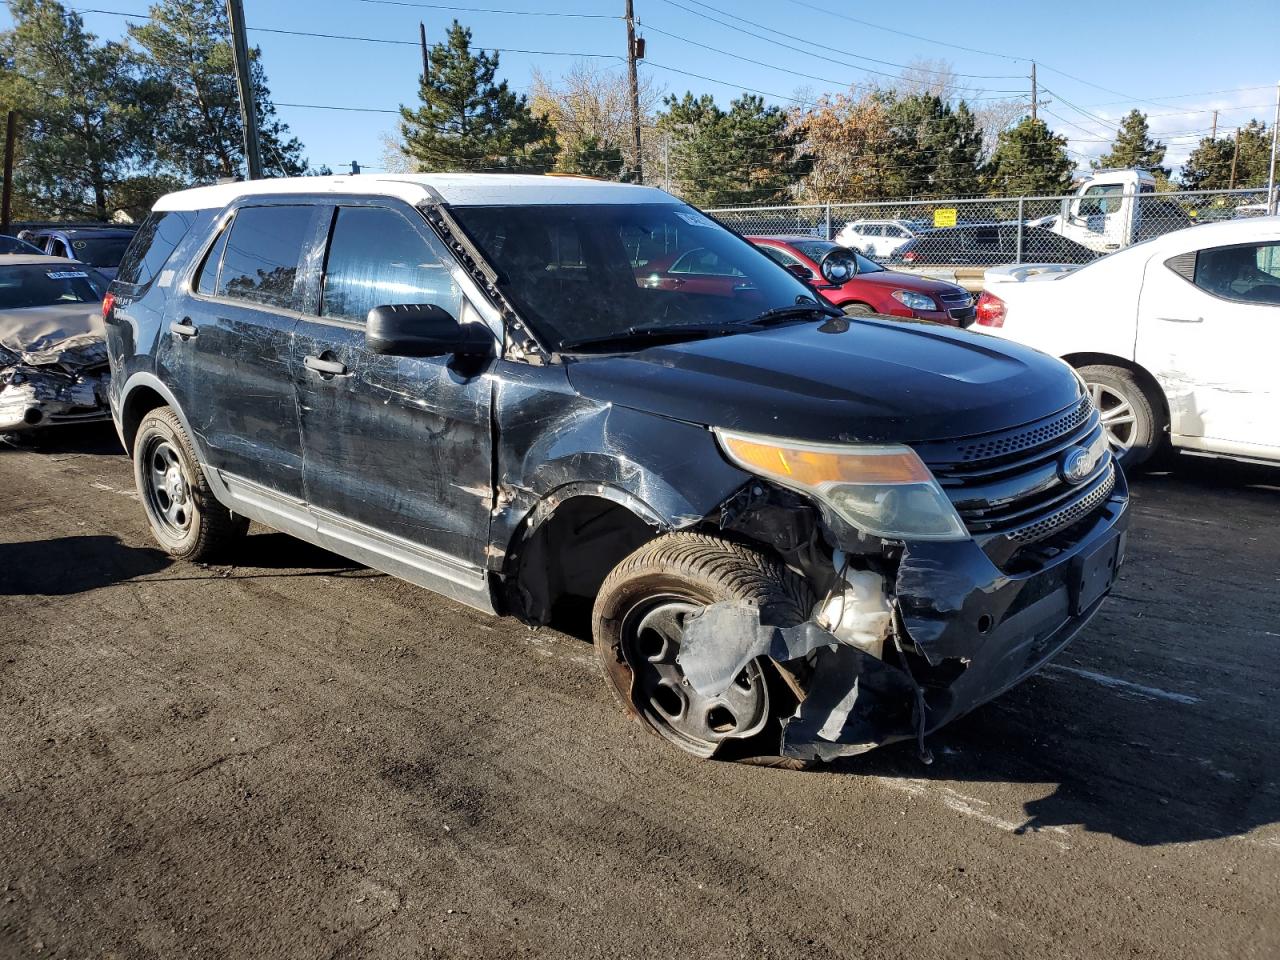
(873, 289)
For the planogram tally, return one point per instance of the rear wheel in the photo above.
(1128, 416)
(186, 519)
(638, 625)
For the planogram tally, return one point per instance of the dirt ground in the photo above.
(296, 757)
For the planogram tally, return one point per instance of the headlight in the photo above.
(916, 301)
(884, 491)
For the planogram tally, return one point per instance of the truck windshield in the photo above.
(579, 272)
(44, 285)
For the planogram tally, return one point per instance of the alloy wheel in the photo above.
(1117, 416)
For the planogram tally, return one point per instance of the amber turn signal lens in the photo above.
(815, 466)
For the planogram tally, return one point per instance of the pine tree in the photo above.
(86, 111)
(198, 133)
(1029, 160)
(745, 154)
(470, 121)
(1133, 147)
(1209, 166)
(931, 149)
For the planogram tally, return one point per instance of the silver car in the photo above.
(53, 356)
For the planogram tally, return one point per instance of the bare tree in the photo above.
(590, 104)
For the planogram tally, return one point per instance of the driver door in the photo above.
(397, 450)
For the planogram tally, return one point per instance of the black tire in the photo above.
(1133, 422)
(186, 519)
(691, 570)
(857, 310)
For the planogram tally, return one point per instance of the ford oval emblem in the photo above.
(1076, 464)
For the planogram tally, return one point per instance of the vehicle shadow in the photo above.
(269, 550)
(60, 566)
(98, 439)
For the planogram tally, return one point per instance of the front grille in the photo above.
(956, 298)
(1008, 486)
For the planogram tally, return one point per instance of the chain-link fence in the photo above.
(994, 230)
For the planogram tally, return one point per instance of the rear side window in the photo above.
(376, 259)
(1249, 273)
(151, 246)
(260, 263)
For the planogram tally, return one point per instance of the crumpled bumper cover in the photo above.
(63, 383)
(953, 607)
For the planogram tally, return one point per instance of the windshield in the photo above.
(580, 272)
(100, 251)
(44, 285)
(815, 250)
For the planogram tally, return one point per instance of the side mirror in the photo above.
(800, 271)
(839, 266)
(423, 330)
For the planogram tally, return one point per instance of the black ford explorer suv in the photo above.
(804, 535)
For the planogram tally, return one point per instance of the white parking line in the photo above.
(1126, 685)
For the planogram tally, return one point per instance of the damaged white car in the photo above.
(53, 357)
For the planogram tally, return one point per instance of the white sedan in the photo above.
(1177, 338)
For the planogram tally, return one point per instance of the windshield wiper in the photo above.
(794, 312)
(648, 335)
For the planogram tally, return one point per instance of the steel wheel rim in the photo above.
(651, 634)
(1119, 421)
(167, 490)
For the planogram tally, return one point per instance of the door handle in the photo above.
(1181, 319)
(186, 329)
(326, 368)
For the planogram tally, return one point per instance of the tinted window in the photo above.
(207, 283)
(781, 256)
(377, 258)
(47, 284)
(1249, 273)
(159, 234)
(260, 263)
(14, 245)
(100, 251)
(706, 263)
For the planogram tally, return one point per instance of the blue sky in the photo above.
(1096, 60)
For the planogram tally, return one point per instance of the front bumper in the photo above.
(968, 631)
(33, 397)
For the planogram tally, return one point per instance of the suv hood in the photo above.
(868, 380)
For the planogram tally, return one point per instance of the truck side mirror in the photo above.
(423, 330)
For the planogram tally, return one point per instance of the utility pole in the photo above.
(1214, 135)
(1035, 91)
(248, 111)
(635, 89)
(1271, 173)
(355, 168)
(422, 42)
(1235, 155)
(10, 142)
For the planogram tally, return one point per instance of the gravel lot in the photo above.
(295, 757)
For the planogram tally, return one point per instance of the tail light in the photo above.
(108, 304)
(910, 256)
(991, 310)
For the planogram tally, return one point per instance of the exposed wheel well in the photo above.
(1150, 386)
(570, 553)
(138, 404)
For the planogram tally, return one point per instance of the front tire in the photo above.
(857, 310)
(186, 519)
(1128, 415)
(637, 624)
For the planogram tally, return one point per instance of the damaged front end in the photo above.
(61, 382)
(912, 634)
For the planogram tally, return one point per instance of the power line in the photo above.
(808, 51)
(513, 13)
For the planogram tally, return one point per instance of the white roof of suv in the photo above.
(461, 189)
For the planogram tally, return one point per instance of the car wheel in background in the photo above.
(638, 625)
(857, 310)
(1127, 413)
(186, 519)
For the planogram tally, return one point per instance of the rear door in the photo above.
(232, 347)
(1209, 331)
(397, 449)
